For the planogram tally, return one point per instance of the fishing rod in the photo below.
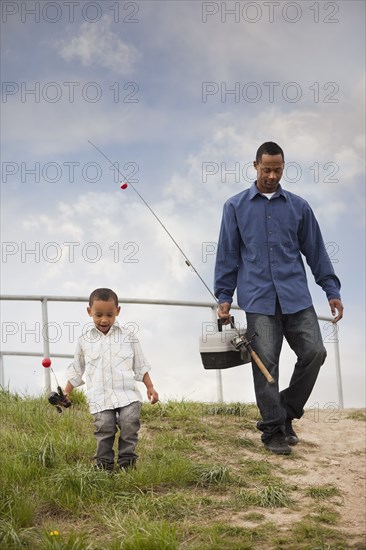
(240, 342)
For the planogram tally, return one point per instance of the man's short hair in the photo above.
(104, 294)
(269, 148)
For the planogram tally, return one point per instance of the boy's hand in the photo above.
(152, 395)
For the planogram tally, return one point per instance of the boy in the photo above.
(112, 360)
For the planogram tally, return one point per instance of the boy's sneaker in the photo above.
(278, 444)
(291, 436)
(131, 465)
(104, 467)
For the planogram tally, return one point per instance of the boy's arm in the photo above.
(141, 369)
(152, 394)
(68, 388)
(75, 371)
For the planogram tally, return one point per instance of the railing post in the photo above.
(46, 344)
(220, 395)
(338, 372)
(2, 378)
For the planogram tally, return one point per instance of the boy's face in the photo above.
(103, 314)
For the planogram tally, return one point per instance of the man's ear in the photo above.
(255, 164)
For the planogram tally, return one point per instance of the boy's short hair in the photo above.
(104, 294)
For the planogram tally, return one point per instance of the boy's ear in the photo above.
(89, 311)
(118, 310)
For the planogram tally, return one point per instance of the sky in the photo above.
(178, 95)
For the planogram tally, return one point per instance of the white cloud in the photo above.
(222, 167)
(97, 45)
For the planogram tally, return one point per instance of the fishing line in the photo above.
(187, 261)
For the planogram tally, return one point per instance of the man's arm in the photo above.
(227, 261)
(313, 247)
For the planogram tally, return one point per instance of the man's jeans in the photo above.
(105, 423)
(302, 333)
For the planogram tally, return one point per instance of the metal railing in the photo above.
(46, 343)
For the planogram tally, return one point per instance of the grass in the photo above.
(269, 495)
(208, 476)
(203, 482)
(274, 496)
(357, 415)
(323, 492)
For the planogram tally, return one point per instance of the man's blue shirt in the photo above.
(259, 253)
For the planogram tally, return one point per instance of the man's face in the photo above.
(104, 314)
(269, 172)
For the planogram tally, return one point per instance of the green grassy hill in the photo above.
(203, 482)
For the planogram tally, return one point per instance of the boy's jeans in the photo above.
(302, 333)
(105, 423)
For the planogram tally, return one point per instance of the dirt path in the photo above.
(331, 451)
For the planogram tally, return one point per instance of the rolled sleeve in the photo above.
(140, 364)
(76, 369)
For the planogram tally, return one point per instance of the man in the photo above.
(264, 232)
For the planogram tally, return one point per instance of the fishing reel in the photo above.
(240, 343)
(59, 399)
(56, 398)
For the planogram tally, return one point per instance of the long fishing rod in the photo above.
(187, 260)
(240, 341)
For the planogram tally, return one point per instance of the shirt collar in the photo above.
(253, 191)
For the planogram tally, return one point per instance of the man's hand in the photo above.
(223, 312)
(336, 308)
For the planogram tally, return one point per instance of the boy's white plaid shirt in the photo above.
(109, 364)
